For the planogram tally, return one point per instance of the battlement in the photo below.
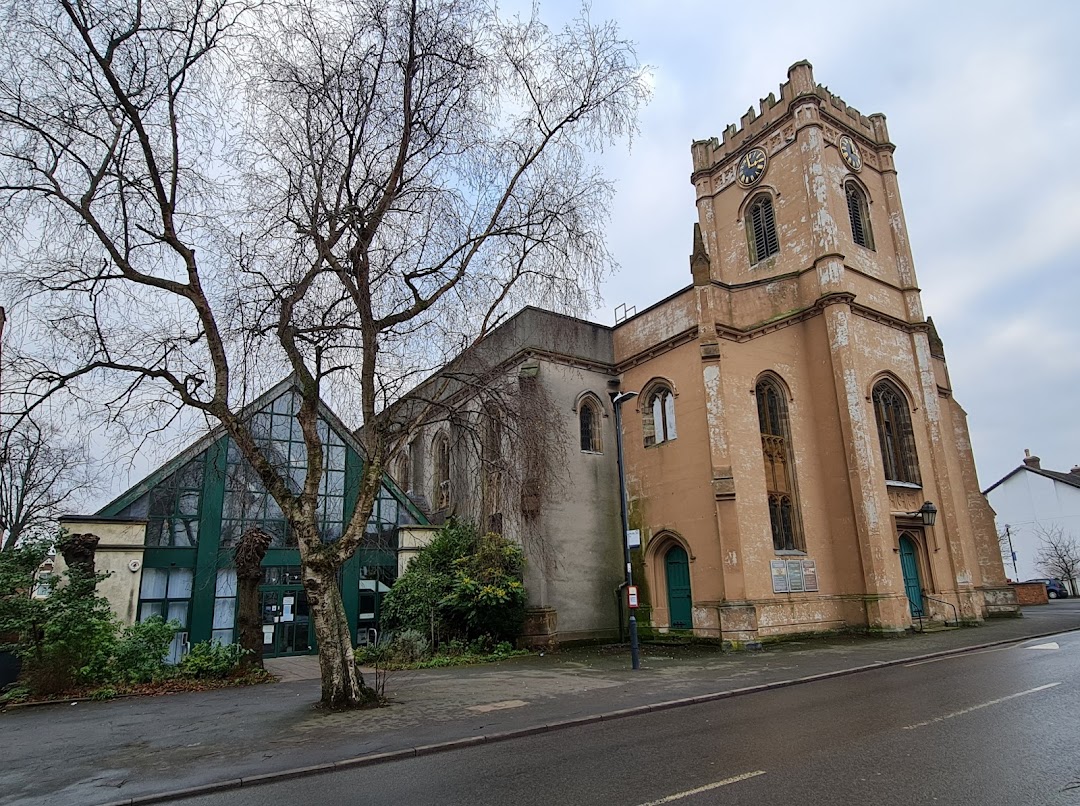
(800, 83)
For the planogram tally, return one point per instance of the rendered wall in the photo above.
(1030, 503)
(119, 554)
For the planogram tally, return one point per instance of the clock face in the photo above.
(850, 153)
(752, 167)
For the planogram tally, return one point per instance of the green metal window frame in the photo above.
(208, 556)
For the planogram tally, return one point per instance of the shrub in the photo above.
(139, 656)
(488, 595)
(464, 585)
(211, 660)
(396, 649)
(409, 646)
(73, 638)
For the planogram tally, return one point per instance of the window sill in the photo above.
(593, 453)
(790, 553)
(658, 444)
(906, 485)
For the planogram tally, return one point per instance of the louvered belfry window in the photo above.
(896, 434)
(761, 229)
(779, 467)
(859, 213)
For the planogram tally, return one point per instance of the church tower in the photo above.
(836, 464)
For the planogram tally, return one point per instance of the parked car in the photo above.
(1054, 588)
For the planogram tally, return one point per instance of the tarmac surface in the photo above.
(143, 750)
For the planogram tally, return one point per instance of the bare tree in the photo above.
(1059, 554)
(40, 475)
(405, 173)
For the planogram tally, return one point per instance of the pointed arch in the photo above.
(668, 562)
(591, 413)
(440, 452)
(761, 234)
(491, 456)
(859, 213)
(658, 412)
(781, 491)
(589, 428)
(896, 437)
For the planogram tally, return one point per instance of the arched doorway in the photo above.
(909, 563)
(677, 570)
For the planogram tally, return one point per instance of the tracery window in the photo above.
(492, 453)
(779, 466)
(859, 213)
(404, 470)
(441, 496)
(896, 435)
(589, 424)
(761, 229)
(658, 416)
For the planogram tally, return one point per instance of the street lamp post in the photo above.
(617, 399)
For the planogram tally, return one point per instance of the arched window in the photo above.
(779, 466)
(859, 213)
(589, 423)
(658, 416)
(894, 430)
(761, 229)
(493, 462)
(404, 471)
(414, 481)
(441, 450)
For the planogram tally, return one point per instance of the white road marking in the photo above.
(960, 655)
(1051, 645)
(706, 788)
(977, 707)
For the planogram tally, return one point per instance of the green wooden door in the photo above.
(910, 566)
(678, 588)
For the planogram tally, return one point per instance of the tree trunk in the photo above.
(78, 552)
(248, 555)
(342, 683)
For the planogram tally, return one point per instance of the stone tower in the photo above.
(822, 399)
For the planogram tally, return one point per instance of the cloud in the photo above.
(982, 108)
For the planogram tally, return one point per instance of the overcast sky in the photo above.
(983, 104)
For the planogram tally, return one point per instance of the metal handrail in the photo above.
(918, 612)
(956, 618)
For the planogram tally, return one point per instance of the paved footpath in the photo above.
(135, 750)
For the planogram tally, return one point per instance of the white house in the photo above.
(1029, 502)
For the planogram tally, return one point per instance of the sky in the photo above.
(983, 105)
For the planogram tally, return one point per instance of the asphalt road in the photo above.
(998, 726)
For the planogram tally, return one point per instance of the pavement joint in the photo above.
(491, 738)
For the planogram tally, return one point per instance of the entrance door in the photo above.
(910, 565)
(678, 588)
(286, 620)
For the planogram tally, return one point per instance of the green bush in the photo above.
(397, 649)
(74, 640)
(211, 660)
(463, 586)
(20, 612)
(64, 640)
(139, 655)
